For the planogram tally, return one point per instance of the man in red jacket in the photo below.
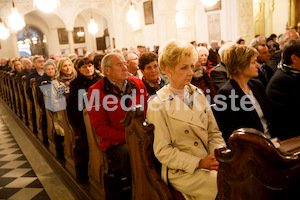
(112, 96)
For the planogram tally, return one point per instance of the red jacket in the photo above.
(107, 123)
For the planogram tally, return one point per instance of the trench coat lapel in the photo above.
(179, 110)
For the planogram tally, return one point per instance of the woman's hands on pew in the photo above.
(209, 162)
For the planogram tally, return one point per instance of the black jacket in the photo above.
(265, 73)
(76, 116)
(218, 75)
(35, 75)
(229, 120)
(283, 91)
(274, 60)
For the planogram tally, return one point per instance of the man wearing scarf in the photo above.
(283, 91)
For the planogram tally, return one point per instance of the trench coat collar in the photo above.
(184, 113)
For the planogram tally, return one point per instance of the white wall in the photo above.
(280, 16)
(191, 23)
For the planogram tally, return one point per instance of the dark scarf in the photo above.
(155, 86)
(63, 78)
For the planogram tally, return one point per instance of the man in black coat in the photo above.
(283, 91)
(38, 72)
(264, 71)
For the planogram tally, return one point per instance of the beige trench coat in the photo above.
(182, 137)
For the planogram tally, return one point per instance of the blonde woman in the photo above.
(65, 73)
(186, 133)
(17, 67)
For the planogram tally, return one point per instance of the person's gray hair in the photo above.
(223, 48)
(106, 61)
(49, 62)
(213, 41)
(285, 37)
(201, 48)
(27, 59)
(126, 55)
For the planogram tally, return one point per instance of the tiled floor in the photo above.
(17, 178)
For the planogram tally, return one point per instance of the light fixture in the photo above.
(15, 20)
(93, 27)
(133, 18)
(34, 40)
(46, 5)
(80, 33)
(27, 41)
(20, 42)
(4, 32)
(209, 3)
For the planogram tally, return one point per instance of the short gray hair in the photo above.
(49, 62)
(285, 37)
(23, 59)
(202, 48)
(106, 61)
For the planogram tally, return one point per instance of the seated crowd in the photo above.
(195, 97)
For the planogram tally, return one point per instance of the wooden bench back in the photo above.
(29, 105)
(23, 107)
(146, 183)
(16, 95)
(98, 165)
(41, 131)
(252, 168)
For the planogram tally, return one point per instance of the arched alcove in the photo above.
(47, 23)
(32, 41)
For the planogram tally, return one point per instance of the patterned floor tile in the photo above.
(13, 164)
(5, 193)
(16, 172)
(41, 196)
(18, 181)
(26, 193)
(11, 157)
(21, 182)
(5, 181)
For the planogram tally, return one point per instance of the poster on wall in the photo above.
(214, 27)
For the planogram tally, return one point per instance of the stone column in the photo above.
(245, 20)
(14, 44)
(293, 4)
(71, 41)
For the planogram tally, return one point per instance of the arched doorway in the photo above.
(31, 41)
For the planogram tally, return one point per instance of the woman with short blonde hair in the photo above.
(186, 133)
(245, 101)
(237, 58)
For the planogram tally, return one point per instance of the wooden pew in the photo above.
(6, 76)
(98, 165)
(29, 106)
(75, 150)
(16, 95)
(252, 168)
(23, 106)
(11, 92)
(39, 114)
(146, 183)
